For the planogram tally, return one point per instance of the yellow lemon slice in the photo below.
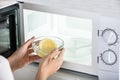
(46, 46)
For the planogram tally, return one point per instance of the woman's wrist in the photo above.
(11, 64)
(41, 76)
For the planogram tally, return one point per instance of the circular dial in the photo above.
(109, 57)
(110, 36)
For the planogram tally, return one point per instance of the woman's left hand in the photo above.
(50, 64)
(22, 57)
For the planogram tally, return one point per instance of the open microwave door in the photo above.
(78, 29)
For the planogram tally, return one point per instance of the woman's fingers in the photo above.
(30, 46)
(61, 53)
(28, 43)
(34, 57)
(59, 59)
(30, 50)
(56, 54)
(53, 53)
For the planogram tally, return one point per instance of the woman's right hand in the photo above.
(50, 64)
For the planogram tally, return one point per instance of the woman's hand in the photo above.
(22, 56)
(50, 65)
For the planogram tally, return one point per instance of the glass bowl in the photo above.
(43, 45)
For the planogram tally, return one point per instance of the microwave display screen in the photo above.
(76, 33)
(4, 36)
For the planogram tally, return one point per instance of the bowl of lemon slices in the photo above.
(44, 45)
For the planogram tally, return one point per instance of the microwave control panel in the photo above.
(108, 48)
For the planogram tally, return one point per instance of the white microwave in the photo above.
(81, 31)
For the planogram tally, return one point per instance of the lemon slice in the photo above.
(46, 46)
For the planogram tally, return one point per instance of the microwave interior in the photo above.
(77, 33)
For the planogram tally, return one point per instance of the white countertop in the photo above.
(29, 72)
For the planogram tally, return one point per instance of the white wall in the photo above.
(103, 7)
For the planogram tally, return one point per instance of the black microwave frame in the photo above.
(11, 12)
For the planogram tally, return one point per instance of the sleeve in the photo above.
(5, 70)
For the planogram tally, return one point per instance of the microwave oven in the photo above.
(76, 28)
(91, 40)
(9, 40)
